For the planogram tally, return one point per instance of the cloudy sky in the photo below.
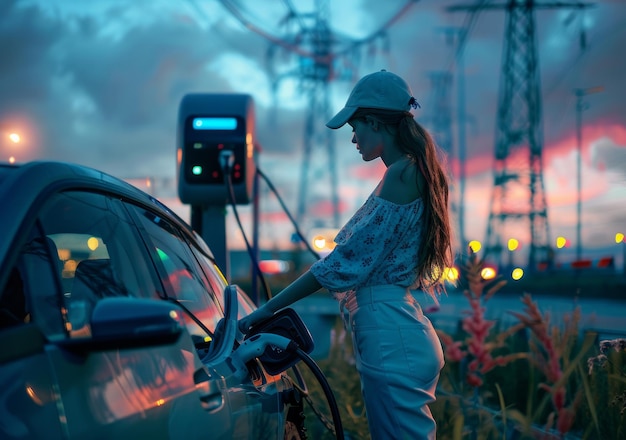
(99, 83)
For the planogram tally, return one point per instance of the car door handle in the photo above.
(256, 394)
(211, 396)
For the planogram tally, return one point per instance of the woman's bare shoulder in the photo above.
(401, 183)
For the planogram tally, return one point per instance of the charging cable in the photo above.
(227, 160)
(293, 221)
(256, 345)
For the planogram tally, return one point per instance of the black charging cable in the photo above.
(227, 160)
(293, 221)
(328, 392)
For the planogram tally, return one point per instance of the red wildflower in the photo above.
(547, 354)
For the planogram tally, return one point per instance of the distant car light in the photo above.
(273, 267)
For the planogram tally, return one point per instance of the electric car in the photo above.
(115, 321)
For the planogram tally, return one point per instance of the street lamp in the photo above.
(580, 106)
(14, 138)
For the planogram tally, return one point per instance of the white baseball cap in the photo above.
(383, 90)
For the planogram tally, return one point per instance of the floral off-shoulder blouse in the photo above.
(378, 245)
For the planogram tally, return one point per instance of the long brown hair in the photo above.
(435, 253)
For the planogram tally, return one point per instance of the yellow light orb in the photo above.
(475, 245)
(92, 243)
(319, 242)
(15, 138)
(488, 273)
(517, 273)
(619, 237)
(451, 274)
(64, 254)
(69, 267)
(561, 242)
(513, 244)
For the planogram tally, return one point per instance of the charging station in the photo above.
(216, 165)
(215, 131)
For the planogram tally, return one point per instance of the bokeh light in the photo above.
(319, 242)
(451, 274)
(488, 273)
(475, 245)
(517, 273)
(92, 243)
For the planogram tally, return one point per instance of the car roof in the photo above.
(24, 187)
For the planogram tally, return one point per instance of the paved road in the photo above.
(608, 317)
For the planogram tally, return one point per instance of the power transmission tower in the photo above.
(314, 74)
(518, 188)
(322, 56)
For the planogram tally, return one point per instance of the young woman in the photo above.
(398, 241)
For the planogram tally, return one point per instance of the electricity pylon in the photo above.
(518, 187)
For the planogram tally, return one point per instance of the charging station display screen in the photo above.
(214, 123)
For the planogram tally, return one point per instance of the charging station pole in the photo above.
(213, 218)
(210, 125)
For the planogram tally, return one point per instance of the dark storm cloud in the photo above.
(123, 90)
(26, 37)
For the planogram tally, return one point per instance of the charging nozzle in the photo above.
(255, 346)
(227, 160)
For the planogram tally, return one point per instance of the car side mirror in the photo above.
(123, 322)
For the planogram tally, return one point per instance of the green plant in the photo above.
(526, 380)
(606, 385)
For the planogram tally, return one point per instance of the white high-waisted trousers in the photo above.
(398, 357)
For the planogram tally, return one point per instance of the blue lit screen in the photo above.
(214, 123)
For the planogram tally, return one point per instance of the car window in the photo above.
(219, 282)
(32, 292)
(100, 253)
(180, 272)
(214, 275)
